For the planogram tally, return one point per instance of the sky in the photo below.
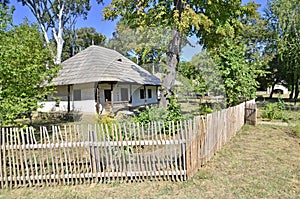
(95, 19)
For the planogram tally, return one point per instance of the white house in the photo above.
(278, 88)
(99, 79)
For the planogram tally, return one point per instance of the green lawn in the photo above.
(260, 162)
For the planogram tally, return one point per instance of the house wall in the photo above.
(86, 103)
(137, 101)
(82, 97)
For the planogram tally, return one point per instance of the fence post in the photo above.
(251, 112)
(94, 153)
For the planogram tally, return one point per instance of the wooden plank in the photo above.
(4, 158)
(30, 157)
(62, 168)
(25, 158)
(176, 158)
(41, 156)
(56, 155)
(119, 167)
(124, 169)
(87, 165)
(109, 151)
(129, 166)
(36, 170)
(48, 152)
(1, 163)
(66, 155)
(97, 152)
(137, 129)
(10, 166)
(73, 151)
(76, 147)
(106, 162)
(158, 157)
(21, 158)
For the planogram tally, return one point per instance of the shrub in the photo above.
(275, 111)
(173, 110)
(151, 113)
(205, 109)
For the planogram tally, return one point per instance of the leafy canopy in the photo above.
(26, 68)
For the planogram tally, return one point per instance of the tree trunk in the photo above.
(296, 91)
(272, 90)
(59, 36)
(171, 68)
(292, 91)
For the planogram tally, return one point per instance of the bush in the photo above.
(275, 111)
(174, 110)
(151, 113)
(205, 109)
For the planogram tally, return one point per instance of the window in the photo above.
(142, 93)
(149, 93)
(124, 94)
(77, 95)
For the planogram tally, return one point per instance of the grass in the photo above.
(260, 162)
(289, 116)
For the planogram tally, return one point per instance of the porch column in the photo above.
(145, 94)
(130, 92)
(69, 98)
(97, 97)
(112, 97)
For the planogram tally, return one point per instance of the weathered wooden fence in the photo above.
(103, 153)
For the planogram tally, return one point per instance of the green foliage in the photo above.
(212, 22)
(151, 113)
(54, 17)
(26, 68)
(107, 121)
(274, 111)
(5, 16)
(205, 109)
(239, 76)
(203, 74)
(173, 110)
(284, 42)
(83, 38)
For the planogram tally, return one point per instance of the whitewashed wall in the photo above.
(87, 102)
(137, 101)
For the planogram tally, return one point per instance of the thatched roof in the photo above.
(96, 64)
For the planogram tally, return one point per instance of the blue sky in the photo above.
(95, 19)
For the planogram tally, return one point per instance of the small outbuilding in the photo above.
(279, 89)
(100, 80)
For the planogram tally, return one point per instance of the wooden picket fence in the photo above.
(80, 154)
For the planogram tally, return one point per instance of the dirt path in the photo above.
(260, 162)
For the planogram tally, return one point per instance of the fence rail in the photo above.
(103, 153)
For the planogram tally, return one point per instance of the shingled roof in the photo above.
(96, 64)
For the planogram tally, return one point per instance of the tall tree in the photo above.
(5, 15)
(26, 68)
(203, 74)
(80, 39)
(284, 21)
(53, 16)
(238, 74)
(209, 20)
(145, 46)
